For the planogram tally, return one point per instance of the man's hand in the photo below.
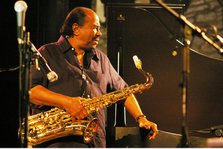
(144, 123)
(74, 107)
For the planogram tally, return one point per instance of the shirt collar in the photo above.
(65, 46)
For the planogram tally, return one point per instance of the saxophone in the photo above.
(57, 123)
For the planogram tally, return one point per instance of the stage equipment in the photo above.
(157, 37)
(23, 38)
(189, 28)
(28, 55)
(135, 137)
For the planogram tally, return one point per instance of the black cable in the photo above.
(9, 69)
(157, 18)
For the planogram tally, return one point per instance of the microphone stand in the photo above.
(184, 86)
(28, 55)
(218, 130)
(120, 111)
(24, 86)
(189, 29)
(197, 30)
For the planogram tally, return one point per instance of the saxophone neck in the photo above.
(149, 78)
(138, 64)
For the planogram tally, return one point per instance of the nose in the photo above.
(99, 33)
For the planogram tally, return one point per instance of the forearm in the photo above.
(42, 96)
(132, 106)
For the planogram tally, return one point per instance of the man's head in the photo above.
(83, 25)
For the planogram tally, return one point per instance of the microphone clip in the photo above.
(51, 75)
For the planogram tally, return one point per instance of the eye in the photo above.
(97, 28)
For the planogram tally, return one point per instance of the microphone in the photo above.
(51, 75)
(20, 8)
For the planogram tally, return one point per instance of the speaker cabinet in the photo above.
(155, 35)
(133, 137)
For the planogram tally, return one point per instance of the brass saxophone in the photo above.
(57, 123)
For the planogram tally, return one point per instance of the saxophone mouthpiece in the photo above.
(138, 62)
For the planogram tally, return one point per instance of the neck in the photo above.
(79, 52)
(80, 57)
(74, 44)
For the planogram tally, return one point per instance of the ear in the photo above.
(75, 28)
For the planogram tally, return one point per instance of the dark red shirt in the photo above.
(99, 77)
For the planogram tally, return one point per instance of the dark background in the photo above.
(9, 80)
(150, 32)
(162, 103)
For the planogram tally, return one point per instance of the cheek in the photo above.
(85, 37)
(89, 35)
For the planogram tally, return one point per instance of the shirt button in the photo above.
(84, 76)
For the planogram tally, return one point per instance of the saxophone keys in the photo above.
(97, 108)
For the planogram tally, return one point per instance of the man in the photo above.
(83, 72)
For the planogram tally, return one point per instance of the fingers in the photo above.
(153, 136)
(76, 109)
(149, 126)
(73, 119)
(81, 115)
(78, 116)
(155, 131)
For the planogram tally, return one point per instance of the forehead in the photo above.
(92, 18)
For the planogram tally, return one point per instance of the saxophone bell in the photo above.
(90, 130)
